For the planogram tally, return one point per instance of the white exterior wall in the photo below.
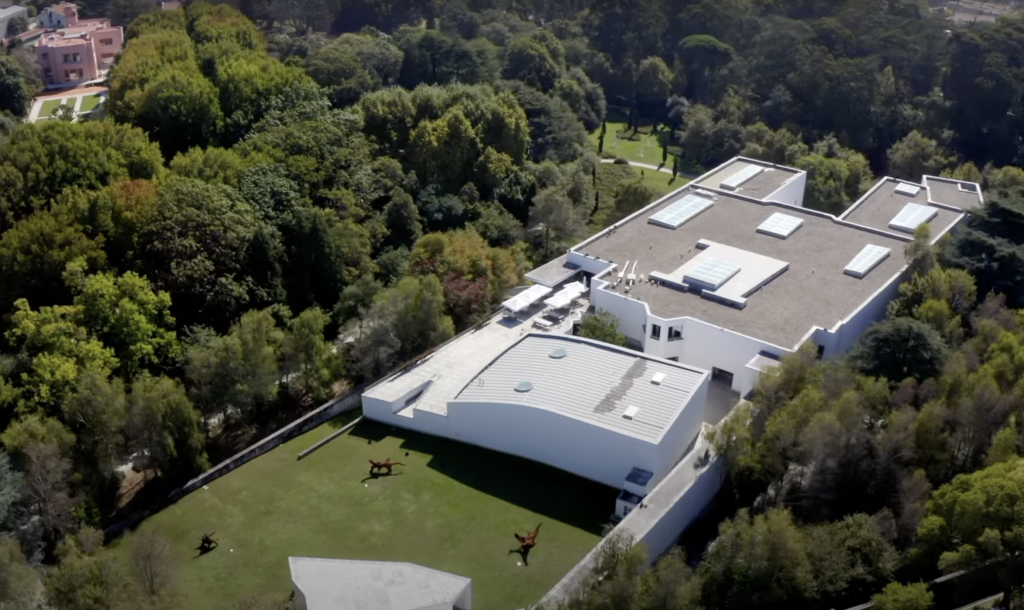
(844, 335)
(792, 192)
(703, 345)
(578, 447)
(682, 432)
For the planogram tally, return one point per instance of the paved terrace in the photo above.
(814, 291)
(452, 366)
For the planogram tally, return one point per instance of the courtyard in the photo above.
(453, 507)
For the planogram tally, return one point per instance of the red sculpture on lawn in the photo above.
(387, 464)
(528, 541)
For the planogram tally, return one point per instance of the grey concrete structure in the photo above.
(343, 584)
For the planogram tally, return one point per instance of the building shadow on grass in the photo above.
(536, 487)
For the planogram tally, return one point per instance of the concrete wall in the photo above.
(682, 432)
(581, 448)
(791, 193)
(671, 507)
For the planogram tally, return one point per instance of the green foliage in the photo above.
(18, 581)
(900, 348)
(163, 423)
(354, 65)
(311, 363)
(15, 94)
(896, 596)
(602, 326)
(630, 197)
(991, 249)
(915, 156)
(757, 562)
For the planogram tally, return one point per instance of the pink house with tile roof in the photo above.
(80, 50)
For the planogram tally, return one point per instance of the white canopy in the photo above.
(565, 296)
(526, 298)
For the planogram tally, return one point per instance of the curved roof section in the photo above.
(594, 382)
(333, 584)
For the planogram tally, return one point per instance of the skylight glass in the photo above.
(679, 212)
(712, 273)
(912, 215)
(866, 260)
(780, 225)
(736, 180)
(909, 190)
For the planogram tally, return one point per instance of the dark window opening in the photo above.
(655, 331)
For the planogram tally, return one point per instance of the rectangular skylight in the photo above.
(912, 215)
(736, 180)
(866, 260)
(631, 412)
(680, 211)
(658, 378)
(712, 273)
(780, 225)
(909, 190)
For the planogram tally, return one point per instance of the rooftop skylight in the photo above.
(866, 260)
(680, 211)
(911, 216)
(780, 225)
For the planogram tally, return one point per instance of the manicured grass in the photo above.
(453, 507)
(89, 103)
(49, 107)
(645, 150)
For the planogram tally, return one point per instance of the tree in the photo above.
(127, 315)
(915, 156)
(97, 415)
(703, 57)
(354, 65)
(196, 248)
(11, 487)
(124, 12)
(311, 363)
(556, 221)
(48, 488)
(180, 110)
(630, 196)
(15, 95)
(897, 596)
(163, 424)
(152, 562)
(653, 86)
(757, 562)
(849, 557)
(529, 61)
(19, 584)
(87, 581)
(900, 348)
(602, 326)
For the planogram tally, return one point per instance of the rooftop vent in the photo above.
(737, 180)
(631, 412)
(558, 353)
(866, 260)
(911, 216)
(680, 211)
(523, 387)
(658, 378)
(780, 225)
(910, 190)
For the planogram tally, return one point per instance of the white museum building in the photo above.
(711, 284)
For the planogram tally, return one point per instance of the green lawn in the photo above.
(89, 103)
(49, 107)
(645, 150)
(454, 507)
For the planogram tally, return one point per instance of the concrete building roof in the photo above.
(12, 11)
(878, 207)
(589, 381)
(342, 584)
(770, 179)
(964, 195)
(812, 291)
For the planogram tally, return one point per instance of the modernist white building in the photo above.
(731, 272)
(343, 584)
(583, 406)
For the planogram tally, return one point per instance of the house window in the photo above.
(655, 331)
(73, 74)
(106, 42)
(47, 73)
(72, 58)
(45, 56)
(625, 510)
(675, 334)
